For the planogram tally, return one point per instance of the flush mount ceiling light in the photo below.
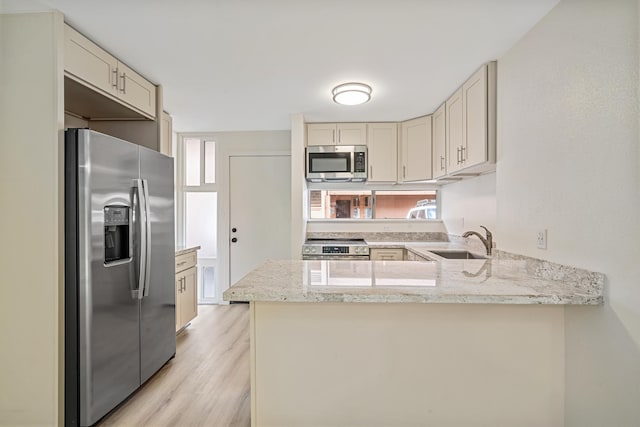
(351, 93)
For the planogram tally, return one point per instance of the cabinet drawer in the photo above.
(386, 254)
(185, 261)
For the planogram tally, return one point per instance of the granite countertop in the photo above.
(502, 279)
(181, 250)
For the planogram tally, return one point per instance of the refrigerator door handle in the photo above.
(147, 238)
(141, 214)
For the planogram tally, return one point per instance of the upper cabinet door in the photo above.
(454, 133)
(474, 117)
(439, 160)
(136, 90)
(87, 62)
(382, 147)
(351, 134)
(416, 149)
(321, 134)
(336, 134)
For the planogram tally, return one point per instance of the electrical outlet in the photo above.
(542, 239)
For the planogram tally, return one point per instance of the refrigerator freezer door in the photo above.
(158, 315)
(109, 346)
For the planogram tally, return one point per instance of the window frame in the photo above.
(363, 187)
(181, 190)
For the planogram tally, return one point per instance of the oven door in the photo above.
(336, 257)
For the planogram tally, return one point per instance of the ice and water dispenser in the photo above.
(116, 233)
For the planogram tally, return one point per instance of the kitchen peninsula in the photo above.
(449, 342)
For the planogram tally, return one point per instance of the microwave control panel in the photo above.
(360, 164)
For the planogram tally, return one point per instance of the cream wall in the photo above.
(568, 162)
(468, 204)
(31, 119)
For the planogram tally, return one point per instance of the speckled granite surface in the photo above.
(181, 250)
(489, 281)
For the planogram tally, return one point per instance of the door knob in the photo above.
(233, 230)
(235, 239)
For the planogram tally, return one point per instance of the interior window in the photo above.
(373, 204)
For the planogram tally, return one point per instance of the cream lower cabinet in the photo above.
(186, 289)
(412, 256)
(396, 254)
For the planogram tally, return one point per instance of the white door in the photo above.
(259, 212)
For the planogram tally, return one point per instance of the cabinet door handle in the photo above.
(339, 136)
(124, 82)
(370, 171)
(463, 158)
(441, 163)
(458, 156)
(182, 263)
(404, 171)
(114, 78)
(333, 136)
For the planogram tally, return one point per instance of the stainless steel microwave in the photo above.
(337, 163)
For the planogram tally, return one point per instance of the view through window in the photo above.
(373, 204)
(200, 208)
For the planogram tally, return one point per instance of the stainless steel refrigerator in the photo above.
(119, 271)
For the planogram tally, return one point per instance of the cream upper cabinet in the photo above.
(454, 134)
(474, 116)
(439, 159)
(416, 150)
(135, 90)
(321, 134)
(90, 65)
(471, 121)
(88, 62)
(336, 134)
(351, 134)
(382, 148)
(166, 134)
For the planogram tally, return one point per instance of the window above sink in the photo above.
(372, 204)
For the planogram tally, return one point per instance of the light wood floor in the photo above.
(206, 384)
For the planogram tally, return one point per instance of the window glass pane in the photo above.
(208, 282)
(339, 204)
(406, 204)
(201, 216)
(209, 162)
(192, 161)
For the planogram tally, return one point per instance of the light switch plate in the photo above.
(542, 239)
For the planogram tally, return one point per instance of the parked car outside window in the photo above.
(424, 211)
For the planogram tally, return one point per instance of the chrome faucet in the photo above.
(488, 241)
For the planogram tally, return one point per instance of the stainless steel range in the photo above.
(345, 249)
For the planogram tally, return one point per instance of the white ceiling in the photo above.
(249, 64)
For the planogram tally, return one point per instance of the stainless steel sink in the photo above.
(458, 255)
